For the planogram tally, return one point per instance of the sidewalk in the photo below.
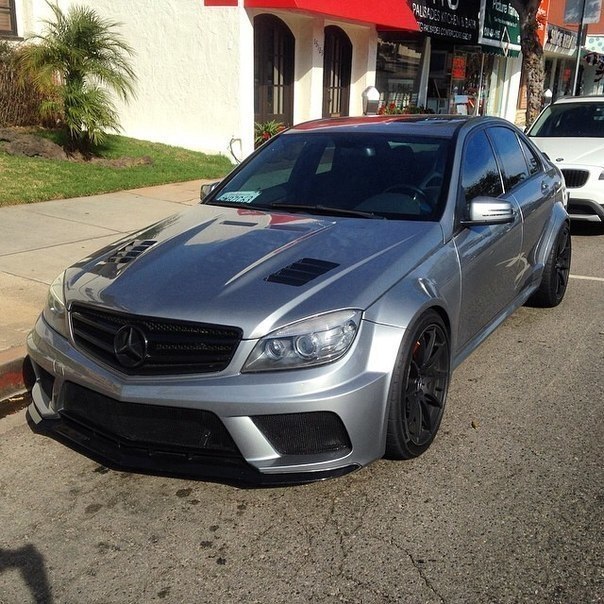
(38, 241)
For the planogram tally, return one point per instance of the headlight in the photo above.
(307, 343)
(54, 312)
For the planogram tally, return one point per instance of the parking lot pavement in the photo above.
(505, 507)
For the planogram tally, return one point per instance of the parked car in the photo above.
(305, 318)
(571, 132)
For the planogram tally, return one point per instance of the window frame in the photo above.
(12, 16)
(337, 72)
(273, 100)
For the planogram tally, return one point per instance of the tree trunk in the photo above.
(532, 59)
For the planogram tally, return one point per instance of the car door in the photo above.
(533, 189)
(487, 253)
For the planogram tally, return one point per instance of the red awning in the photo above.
(394, 14)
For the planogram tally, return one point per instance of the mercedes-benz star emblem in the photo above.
(130, 346)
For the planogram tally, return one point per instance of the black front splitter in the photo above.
(117, 455)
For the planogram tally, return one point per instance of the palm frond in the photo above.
(85, 55)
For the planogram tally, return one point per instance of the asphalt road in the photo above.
(505, 507)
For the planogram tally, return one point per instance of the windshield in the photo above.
(570, 120)
(361, 175)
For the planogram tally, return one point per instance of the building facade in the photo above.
(208, 70)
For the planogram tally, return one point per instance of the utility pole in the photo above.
(579, 47)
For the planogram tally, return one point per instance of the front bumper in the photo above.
(585, 192)
(586, 210)
(265, 428)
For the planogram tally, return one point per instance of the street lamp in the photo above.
(371, 100)
(547, 97)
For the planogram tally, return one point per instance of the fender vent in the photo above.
(301, 272)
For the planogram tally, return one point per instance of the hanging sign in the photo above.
(454, 20)
(500, 27)
(541, 16)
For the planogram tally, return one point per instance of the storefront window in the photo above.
(398, 69)
(563, 80)
(459, 80)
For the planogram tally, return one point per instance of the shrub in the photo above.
(20, 98)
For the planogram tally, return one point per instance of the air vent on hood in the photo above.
(301, 272)
(117, 262)
(130, 251)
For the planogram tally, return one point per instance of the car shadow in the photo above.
(30, 563)
(586, 229)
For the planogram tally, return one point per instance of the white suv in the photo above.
(571, 133)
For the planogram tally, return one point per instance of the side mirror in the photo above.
(487, 210)
(207, 189)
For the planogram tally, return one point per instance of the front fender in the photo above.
(557, 218)
(435, 283)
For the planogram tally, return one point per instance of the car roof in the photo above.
(430, 124)
(594, 98)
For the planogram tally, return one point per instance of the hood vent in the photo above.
(111, 267)
(301, 272)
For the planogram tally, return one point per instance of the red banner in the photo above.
(542, 13)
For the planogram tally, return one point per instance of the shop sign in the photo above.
(560, 40)
(455, 20)
(500, 26)
(458, 68)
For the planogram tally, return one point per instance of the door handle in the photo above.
(544, 186)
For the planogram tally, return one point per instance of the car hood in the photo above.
(241, 267)
(588, 151)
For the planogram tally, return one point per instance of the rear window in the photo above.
(570, 120)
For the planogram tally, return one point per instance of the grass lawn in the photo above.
(26, 180)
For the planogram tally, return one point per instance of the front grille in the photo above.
(575, 178)
(166, 347)
(150, 427)
(309, 433)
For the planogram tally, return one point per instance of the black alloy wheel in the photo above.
(418, 391)
(556, 272)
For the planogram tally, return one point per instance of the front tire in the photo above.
(556, 272)
(418, 391)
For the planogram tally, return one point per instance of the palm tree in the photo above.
(82, 56)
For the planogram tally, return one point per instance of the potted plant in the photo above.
(265, 130)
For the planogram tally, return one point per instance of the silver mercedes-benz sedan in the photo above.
(304, 319)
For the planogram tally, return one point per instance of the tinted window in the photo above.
(570, 119)
(533, 162)
(510, 155)
(480, 175)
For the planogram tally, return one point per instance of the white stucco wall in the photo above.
(188, 63)
(195, 68)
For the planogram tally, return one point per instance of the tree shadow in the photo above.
(30, 563)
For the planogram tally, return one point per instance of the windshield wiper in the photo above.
(320, 209)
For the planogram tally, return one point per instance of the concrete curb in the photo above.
(11, 371)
